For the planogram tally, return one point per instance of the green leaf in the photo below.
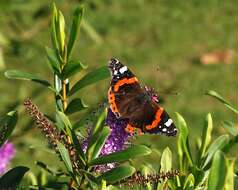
(89, 176)
(230, 127)
(95, 134)
(218, 144)
(64, 123)
(229, 181)
(77, 17)
(233, 141)
(61, 32)
(91, 78)
(13, 177)
(7, 123)
(100, 142)
(121, 156)
(65, 157)
(189, 182)
(54, 21)
(218, 172)
(183, 144)
(99, 122)
(48, 169)
(53, 60)
(75, 105)
(103, 185)
(206, 135)
(222, 100)
(117, 174)
(78, 147)
(166, 160)
(72, 68)
(63, 119)
(16, 74)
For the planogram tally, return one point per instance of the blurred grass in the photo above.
(158, 40)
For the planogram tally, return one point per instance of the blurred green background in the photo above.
(159, 40)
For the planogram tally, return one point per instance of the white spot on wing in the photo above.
(164, 129)
(123, 69)
(115, 72)
(168, 123)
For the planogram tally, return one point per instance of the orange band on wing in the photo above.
(111, 100)
(157, 119)
(124, 81)
(130, 129)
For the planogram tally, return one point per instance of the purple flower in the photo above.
(118, 137)
(7, 152)
(116, 140)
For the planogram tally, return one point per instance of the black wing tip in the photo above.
(112, 62)
(173, 133)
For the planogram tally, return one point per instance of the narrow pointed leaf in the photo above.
(53, 60)
(117, 174)
(48, 169)
(206, 135)
(61, 30)
(183, 145)
(77, 17)
(64, 123)
(217, 173)
(166, 160)
(229, 182)
(218, 144)
(95, 134)
(189, 182)
(100, 142)
(78, 147)
(7, 125)
(16, 74)
(54, 21)
(63, 119)
(121, 156)
(75, 105)
(222, 100)
(103, 185)
(72, 68)
(99, 122)
(65, 157)
(91, 78)
(13, 177)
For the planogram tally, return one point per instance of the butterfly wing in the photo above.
(129, 100)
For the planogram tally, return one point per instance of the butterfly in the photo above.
(130, 100)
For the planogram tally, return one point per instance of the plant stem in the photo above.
(64, 94)
(64, 82)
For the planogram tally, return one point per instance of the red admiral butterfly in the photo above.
(129, 100)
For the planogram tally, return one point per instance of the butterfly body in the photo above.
(129, 100)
